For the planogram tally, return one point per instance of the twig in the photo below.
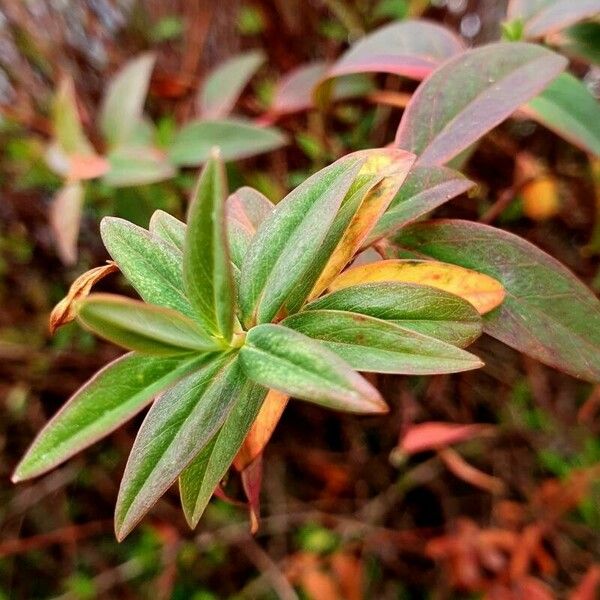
(37, 542)
(263, 562)
(108, 579)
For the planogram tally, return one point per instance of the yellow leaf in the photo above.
(65, 310)
(262, 429)
(391, 165)
(482, 291)
(541, 198)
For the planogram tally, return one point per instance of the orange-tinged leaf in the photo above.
(393, 165)
(349, 573)
(90, 166)
(262, 429)
(482, 291)
(541, 199)
(65, 310)
(434, 435)
(252, 483)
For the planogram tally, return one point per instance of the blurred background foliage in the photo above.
(347, 511)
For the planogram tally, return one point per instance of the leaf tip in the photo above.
(122, 529)
(373, 401)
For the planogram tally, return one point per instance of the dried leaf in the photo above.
(64, 312)
(482, 291)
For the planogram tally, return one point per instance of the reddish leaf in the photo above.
(433, 435)
(294, 93)
(588, 586)
(472, 93)
(547, 313)
(252, 483)
(408, 48)
(83, 167)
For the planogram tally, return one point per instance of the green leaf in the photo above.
(472, 93)
(423, 309)
(199, 480)
(168, 228)
(123, 104)
(548, 313)
(137, 165)
(66, 123)
(114, 395)
(225, 84)
(582, 41)
(568, 108)
(236, 138)
(152, 266)
(206, 267)
(424, 189)
(282, 359)
(143, 327)
(370, 344)
(289, 240)
(176, 429)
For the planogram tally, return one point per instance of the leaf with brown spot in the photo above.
(64, 312)
(482, 291)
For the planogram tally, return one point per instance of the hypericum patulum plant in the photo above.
(250, 304)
